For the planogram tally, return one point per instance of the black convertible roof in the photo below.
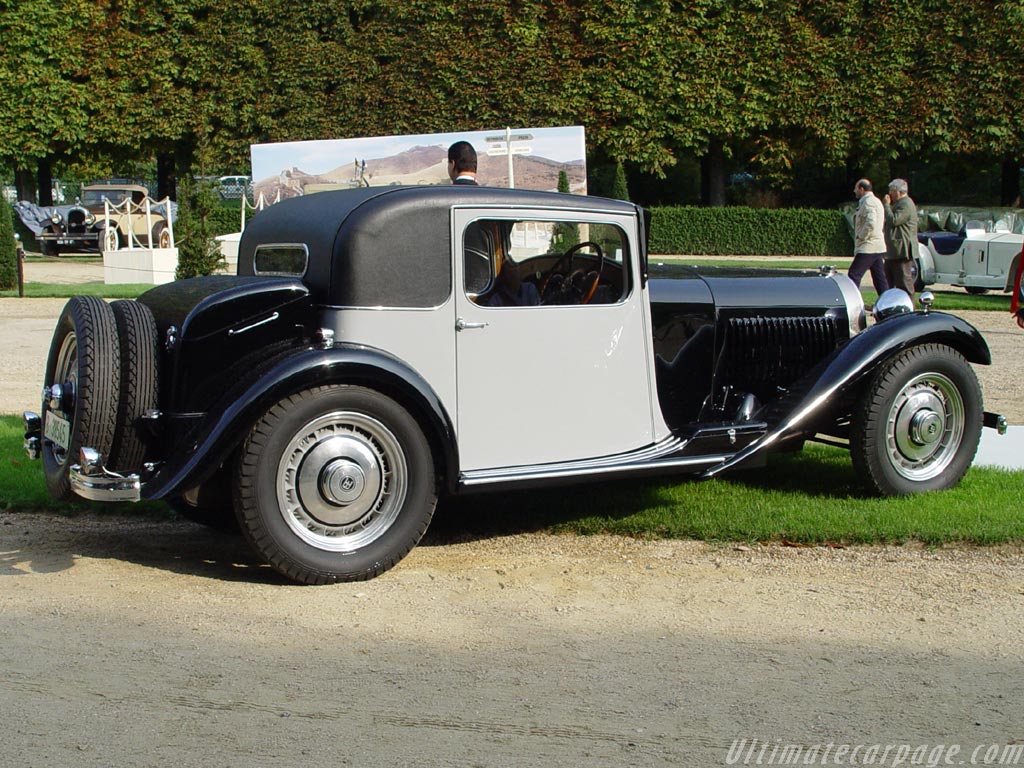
(365, 243)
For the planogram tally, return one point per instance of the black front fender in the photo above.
(820, 394)
(226, 425)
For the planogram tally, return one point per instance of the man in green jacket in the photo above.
(901, 236)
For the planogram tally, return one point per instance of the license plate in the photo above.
(64, 241)
(57, 429)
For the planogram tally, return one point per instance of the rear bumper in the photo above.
(92, 481)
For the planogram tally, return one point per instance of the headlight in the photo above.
(894, 301)
(55, 218)
(89, 219)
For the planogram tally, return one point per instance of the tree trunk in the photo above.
(1010, 187)
(25, 184)
(854, 172)
(44, 180)
(712, 175)
(166, 177)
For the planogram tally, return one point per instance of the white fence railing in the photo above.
(257, 206)
(124, 218)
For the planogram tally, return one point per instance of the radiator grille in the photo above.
(774, 351)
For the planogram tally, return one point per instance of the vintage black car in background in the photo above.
(380, 347)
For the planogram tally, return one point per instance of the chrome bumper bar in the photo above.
(91, 480)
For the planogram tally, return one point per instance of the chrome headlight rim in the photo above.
(891, 303)
(854, 302)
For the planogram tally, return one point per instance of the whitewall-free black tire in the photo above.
(918, 423)
(335, 483)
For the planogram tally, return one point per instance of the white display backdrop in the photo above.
(537, 157)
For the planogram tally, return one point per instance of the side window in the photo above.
(536, 262)
(282, 260)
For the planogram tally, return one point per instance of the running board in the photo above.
(666, 456)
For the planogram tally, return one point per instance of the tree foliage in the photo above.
(195, 230)
(769, 84)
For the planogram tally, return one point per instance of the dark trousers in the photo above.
(862, 262)
(900, 273)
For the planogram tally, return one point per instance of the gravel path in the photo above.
(145, 643)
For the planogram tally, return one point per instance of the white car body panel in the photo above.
(424, 339)
(984, 260)
(542, 384)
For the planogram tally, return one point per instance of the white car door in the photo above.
(544, 384)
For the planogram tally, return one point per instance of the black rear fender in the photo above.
(223, 428)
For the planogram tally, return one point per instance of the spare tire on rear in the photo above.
(81, 388)
(137, 332)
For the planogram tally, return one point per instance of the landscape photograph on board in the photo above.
(526, 158)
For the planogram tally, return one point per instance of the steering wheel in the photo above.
(572, 282)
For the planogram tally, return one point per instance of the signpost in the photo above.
(502, 145)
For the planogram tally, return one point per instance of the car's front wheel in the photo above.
(335, 484)
(108, 238)
(918, 424)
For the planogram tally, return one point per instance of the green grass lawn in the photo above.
(812, 497)
(66, 290)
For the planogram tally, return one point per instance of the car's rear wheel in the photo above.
(137, 332)
(335, 484)
(161, 236)
(210, 504)
(918, 424)
(81, 387)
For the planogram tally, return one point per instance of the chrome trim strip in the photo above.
(642, 458)
(487, 477)
(257, 324)
(854, 303)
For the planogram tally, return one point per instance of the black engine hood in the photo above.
(745, 287)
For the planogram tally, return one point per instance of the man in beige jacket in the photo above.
(868, 237)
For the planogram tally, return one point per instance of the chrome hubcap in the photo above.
(925, 426)
(342, 481)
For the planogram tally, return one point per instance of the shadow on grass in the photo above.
(668, 506)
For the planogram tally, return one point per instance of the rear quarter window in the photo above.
(281, 259)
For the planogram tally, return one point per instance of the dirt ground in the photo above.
(137, 641)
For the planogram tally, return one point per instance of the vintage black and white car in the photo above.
(380, 347)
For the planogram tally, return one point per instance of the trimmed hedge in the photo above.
(734, 230)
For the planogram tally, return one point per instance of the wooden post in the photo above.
(20, 255)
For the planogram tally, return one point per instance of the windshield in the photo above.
(97, 196)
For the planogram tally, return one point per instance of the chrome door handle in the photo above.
(462, 325)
